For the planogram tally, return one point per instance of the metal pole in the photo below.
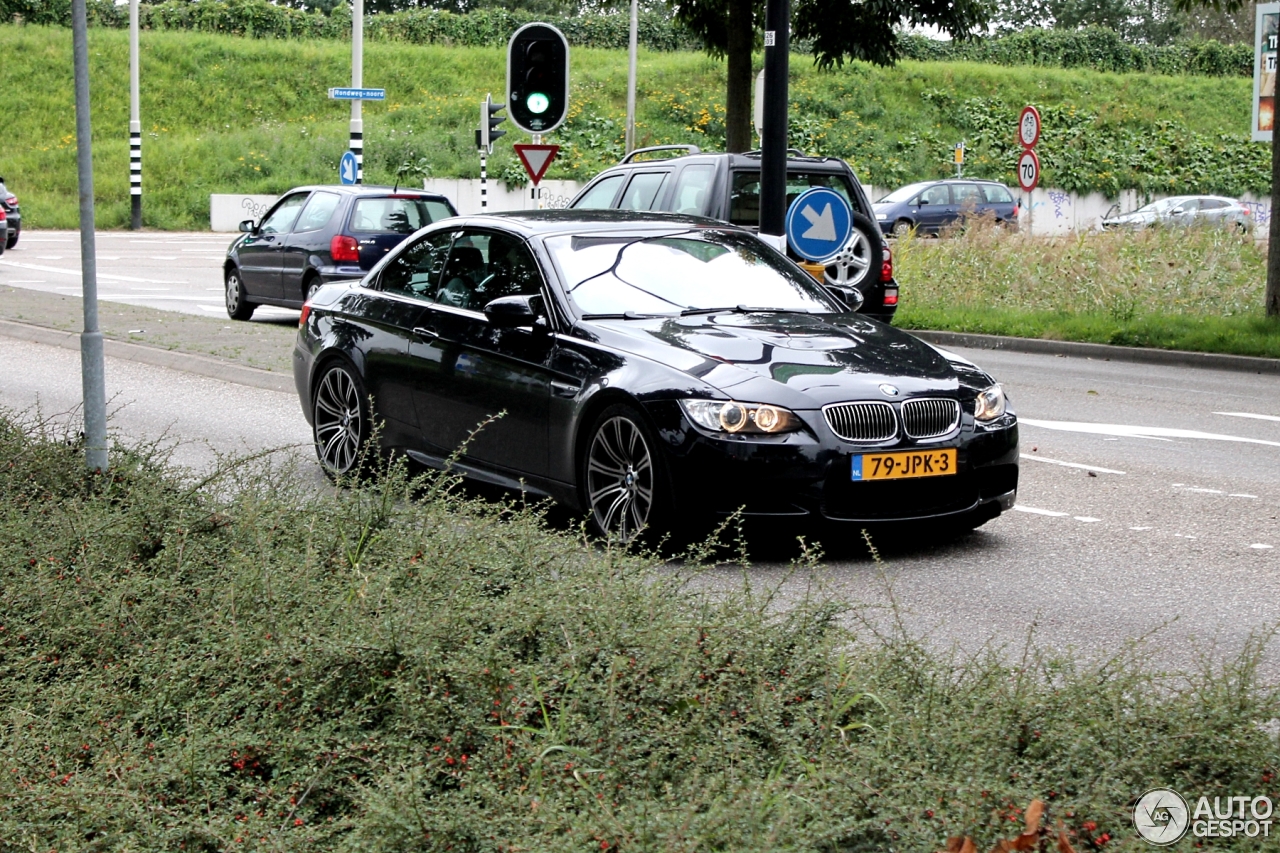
(357, 82)
(631, 77)
(91, 369)
(484, 181)
(135, 124)
(537, 188)
(773, 142)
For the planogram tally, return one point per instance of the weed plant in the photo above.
(238, 663)
(1194, 289)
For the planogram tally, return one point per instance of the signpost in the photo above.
(1266, 47)
(348, 168)
(1028, 162)
(960, 160)
(536, 159)
(819, 224)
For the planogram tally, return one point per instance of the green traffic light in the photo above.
(537, 103)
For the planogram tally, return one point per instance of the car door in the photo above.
(999, 201)
(261, 253)
(494, 379)
(967, 200)
(600, 195)
(644, 191)
(692, 191)
(310, 235)
(934, 209)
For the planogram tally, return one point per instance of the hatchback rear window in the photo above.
(402, 215)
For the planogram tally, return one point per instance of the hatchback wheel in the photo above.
(860, 256)
(622, 481)
(238, 307)
(13, 239)
(341, 420)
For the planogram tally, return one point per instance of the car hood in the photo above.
(797, 360)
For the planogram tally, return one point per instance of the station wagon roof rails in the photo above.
(792, 154)
(685, 149)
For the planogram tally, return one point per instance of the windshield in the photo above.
(902, 193)
(692, 270)
(1161, 206)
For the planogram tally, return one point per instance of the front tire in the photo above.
(238, 305)
(340, 420)
(623, 482)
(902, 228)
(13, 239)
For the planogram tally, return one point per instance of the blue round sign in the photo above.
(819, 223)
(348, 169)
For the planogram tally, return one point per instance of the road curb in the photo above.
(1105, 352)
(174, 360)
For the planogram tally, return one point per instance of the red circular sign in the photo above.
(1028, 170)
(1029, 127)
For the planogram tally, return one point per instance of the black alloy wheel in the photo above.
(238, 307)
(622, 478)
(340, 420)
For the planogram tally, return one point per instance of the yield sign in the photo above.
(536, 159)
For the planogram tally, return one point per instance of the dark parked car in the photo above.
(651, 368)
(4, 231)
(315, 235)
(12, 215)
(1183, 211)
(727, 187)
(931, 206)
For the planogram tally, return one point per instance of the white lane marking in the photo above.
(1070, 464)
(163, 257)
(1036, 511)
(1086, 519)
(1242, 495)
(152, 289)
(40, 268)
(1162, 433)
(30, 281)
(107, 257)
(1139, 528)
(48, 240)
(1261, 547)
(1249, 415)
(49, 257)
(1206, 491)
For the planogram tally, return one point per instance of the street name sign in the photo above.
(341, 94)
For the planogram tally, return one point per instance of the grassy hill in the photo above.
(229, 114)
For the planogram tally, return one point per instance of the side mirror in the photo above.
(513, 312)
(1177, 211)
(922, 202)
(247, 226)
(850, 296)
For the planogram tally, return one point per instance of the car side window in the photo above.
(281, 219)
(600, 197)
(940, 194)
(691, 190)
(644, 189)
(1212, 204)
(1189, 205)
(318, 212)
(485, 266)
(416, 271)
(996, 194)
(967, 195)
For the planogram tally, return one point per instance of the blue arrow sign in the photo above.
(348, 168)
(358, 94)
(819, 223)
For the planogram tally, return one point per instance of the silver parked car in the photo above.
(1183, 211)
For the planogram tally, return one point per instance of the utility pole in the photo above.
(631, 77)
(92, 377)
(773, 142)
(135, 124)
(357, 82)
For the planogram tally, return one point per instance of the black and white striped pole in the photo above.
(357, 82)
(135, 124)
(485, 136)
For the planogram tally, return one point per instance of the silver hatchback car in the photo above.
(1183, 211)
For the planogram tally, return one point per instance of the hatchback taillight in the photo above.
(2, 216)
(344, 248)
(886, 268)
(306, 312)
(13, 200)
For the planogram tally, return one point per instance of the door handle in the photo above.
(424, 332)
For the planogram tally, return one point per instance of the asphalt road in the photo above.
(1148, 498)
(169, 270)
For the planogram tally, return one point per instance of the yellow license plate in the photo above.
(903, 465)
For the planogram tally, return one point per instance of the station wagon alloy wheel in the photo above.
(850, 266)
(340, 423)
(620, 478)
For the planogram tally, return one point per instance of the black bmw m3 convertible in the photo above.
(649, 369)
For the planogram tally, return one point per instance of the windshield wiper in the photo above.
(625, 315)
(739, 309)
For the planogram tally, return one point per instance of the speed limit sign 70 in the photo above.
(1028, 170)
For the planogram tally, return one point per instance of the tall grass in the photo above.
(1195, 289)
(230, 114)
(235, 663)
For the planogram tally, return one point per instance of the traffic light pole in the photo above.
(773, 142)
(484, 181)
(357, 82)
(135, 124)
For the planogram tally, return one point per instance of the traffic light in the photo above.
(489, 121)
(538, 78)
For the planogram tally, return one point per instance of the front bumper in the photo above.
(807, 474)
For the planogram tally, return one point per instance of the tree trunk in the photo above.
(1272, 299)
(738, 95)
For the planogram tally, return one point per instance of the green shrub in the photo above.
(242, 662)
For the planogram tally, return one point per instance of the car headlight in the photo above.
(989, 405)
(739, 418)
(882, 216)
